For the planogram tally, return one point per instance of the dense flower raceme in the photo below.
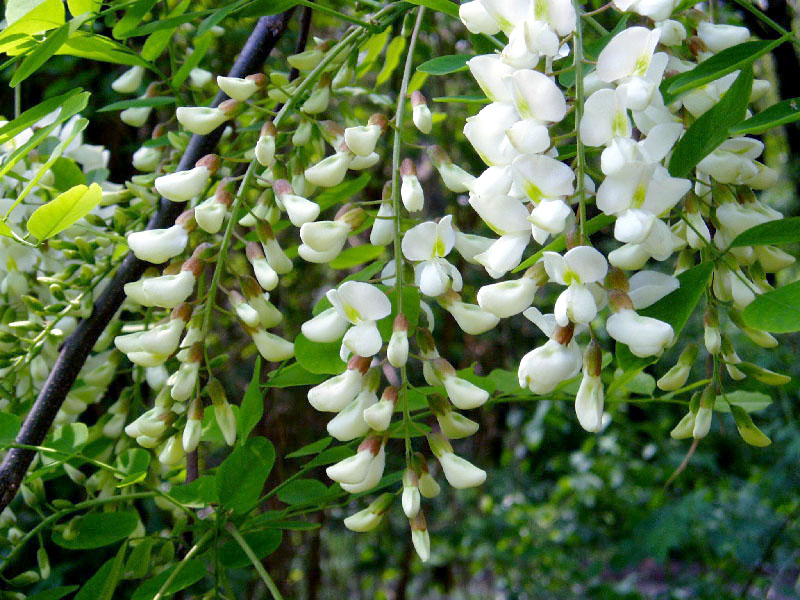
(528, 193)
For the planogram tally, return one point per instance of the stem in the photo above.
(398, 256)
(273, 589)
(181, 565)
(577, 55)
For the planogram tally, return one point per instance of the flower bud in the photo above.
(146, 159)
(507, 298)
(747, 429)
(362, 140)
(397, 350)
(172, 453)
(420, 113)
(240, 88)
(677, 376)
(201, 120)
(299, 209)
(194, 426)
(356, 468)
(427, 484)
(265, 147)
(379, 416)
(157, 246)
(589, 399)
(333, 394)
(320, 97)
(275, 255)
(129, 81)
(410, 189)
(272, 347)
(454, 177)
(349, 424)
(369, 518)
(411, 496)
(454, 425)
(420, 537)
(459, 472)
(382, 232)
(135, 116)
(182, 186)
(471, 318)
(763, 375)
(329, 171)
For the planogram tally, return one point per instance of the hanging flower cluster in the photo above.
(531, 193)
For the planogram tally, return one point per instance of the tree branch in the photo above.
(77, 346)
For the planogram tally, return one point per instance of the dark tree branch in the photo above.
(77, 346)
(302, 38)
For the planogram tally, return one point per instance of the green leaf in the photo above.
(68, 438)
(777, 311)
(442, 65)
(302, 491)
(241, 476)
(66, 174)
(158, 41)
(264, 8)
(29, 14)
(5, 230)
(197, 494)
(783, 231)
(216, 17)
(560, 243)
(192, 572)
(201, 47)
(313, 448)
(393, 55)
(293, 375)
(171, 23)
(40, 55)
(96, 530)
(133, 463)
(55, 593)
(64, 211)
(138, 102)
(466, 99)
(262, 543)
(444, 6)
(132, 17)
(705, 134)
(252, 406)
(356, 255)
(94, 587)
(71, 106)
(78, 7)
(318, 358)
(729, 60)
(675, 308)
(32, 115)
(776, 115)
(110, 585)
(749, 401)
(93, 46)
(9, 428)
(138, 563)
(342, 193)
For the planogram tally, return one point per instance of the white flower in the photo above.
(129, 81)
(605, 118)
(325, 236)
(628, 54)
(543, 368)
(329, 171)
(644, 336)
(577, 268)
(410, 188)
(210, 214)
(135, 116)
(300, 210)
(471, 318)
(333, 394)
(720, 37)
(427, 244)
(166, 291)
(476, 18)
(507, 217)
(201, 119)
(373, 476)
(459, 472)
(272, 347)
(507, 298)
(658, 10)
(361, 304)
(349, 424)
(648, 287)
(463, 394)
(641, 185)
(456, 426)
(182, 186)
(326, 327)
(382, 232)
(238, 88)
(491, 74)
(183, 381)
(158, 245)
(146, 159)
(486, 132)
(379, 416)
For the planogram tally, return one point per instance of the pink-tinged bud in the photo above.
(426, 344)
(182, 312)
(240, 88)
(359, 363)
(246, 313)
(617, 280)
(420, 537)
(211, 161)
(354, 216)
(379, 415)
(420, 113)
(370, 517)
(194, 266)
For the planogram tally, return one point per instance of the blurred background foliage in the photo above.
(564, 514)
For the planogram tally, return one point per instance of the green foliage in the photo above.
(777, 311)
